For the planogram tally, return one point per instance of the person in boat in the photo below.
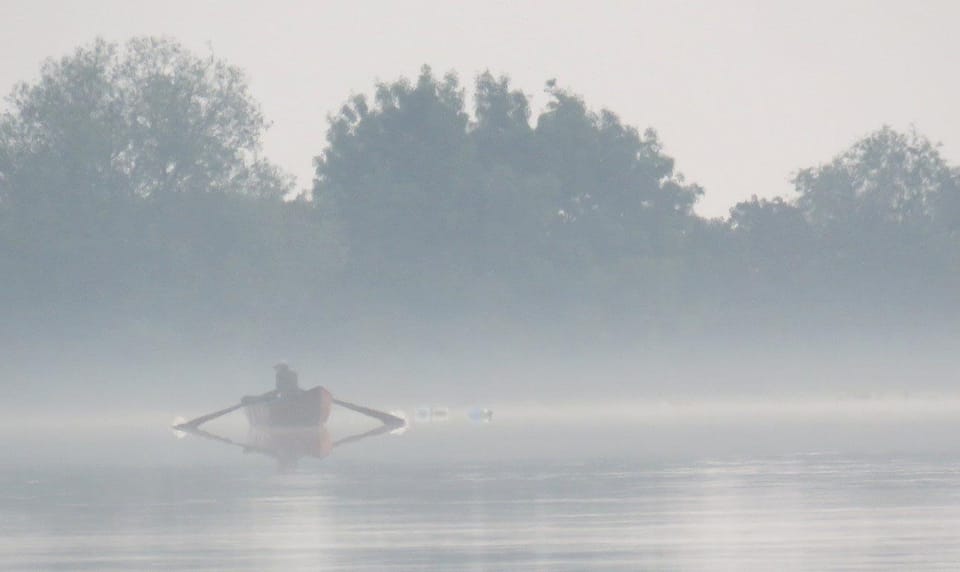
(287, 385)
(287, 382)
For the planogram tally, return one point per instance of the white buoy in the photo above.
(439, 413)
(422, 414)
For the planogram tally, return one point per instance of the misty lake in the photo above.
(509, 496)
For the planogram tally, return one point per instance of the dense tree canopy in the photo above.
(425, 193)
(133, 195)
(131, 186)
(885, 178)
(145, 119)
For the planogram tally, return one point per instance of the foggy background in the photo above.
(655, 285)
(533, 202)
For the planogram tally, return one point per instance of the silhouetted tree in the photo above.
(883, 215)
(885, 178)
(399, 180)
(142, 120)
(133, 195)
(493, 207)
(131, 189)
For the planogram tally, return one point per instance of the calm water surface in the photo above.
(368, 511)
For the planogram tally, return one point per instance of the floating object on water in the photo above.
(480, 415)
(422, 414)
(432, 414)
(439, 414)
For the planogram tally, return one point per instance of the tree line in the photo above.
(134, 197)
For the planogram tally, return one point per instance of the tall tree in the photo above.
(885, 219)
(145, 119)
(620, 191)
(887, 177)
(502, 130)
(399, 179)
(131, 182)
(442, 203)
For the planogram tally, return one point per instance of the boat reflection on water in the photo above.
(288, 445)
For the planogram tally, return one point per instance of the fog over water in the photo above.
(677, 492)
(840, 475)
(418, 286)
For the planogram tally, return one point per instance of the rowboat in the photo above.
(301, 409)
(290, 427)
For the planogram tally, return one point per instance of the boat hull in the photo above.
(290, 442)
(305, 409)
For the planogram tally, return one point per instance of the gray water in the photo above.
(487, 498)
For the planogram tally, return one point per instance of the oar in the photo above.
(385, 428)
(214, 437)
(195, 423)
(387, 419)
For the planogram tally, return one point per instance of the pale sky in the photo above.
(742, 92)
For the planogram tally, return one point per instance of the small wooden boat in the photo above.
(290, 427)
(302, 409)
